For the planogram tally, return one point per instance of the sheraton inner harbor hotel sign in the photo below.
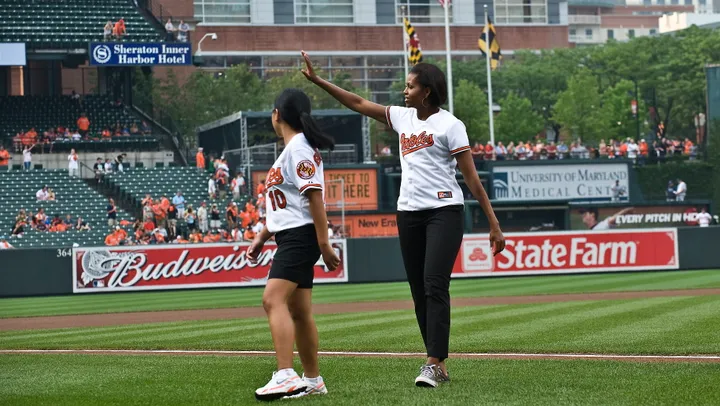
(560, 182)
(140, 54)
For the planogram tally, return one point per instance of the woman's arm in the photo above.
(348, 99)
(317, 211)
(472, 180)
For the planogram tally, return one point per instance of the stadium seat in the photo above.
(73, 196)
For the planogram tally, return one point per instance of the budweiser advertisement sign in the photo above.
(570, 252)
(159, 267)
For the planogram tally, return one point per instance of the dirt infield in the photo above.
(116, 319)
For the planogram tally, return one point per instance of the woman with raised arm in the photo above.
(430, 207)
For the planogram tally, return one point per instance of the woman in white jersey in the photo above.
(430, 207)
(296, 217)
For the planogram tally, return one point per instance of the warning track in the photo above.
(117, 319)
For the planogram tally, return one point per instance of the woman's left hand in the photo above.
(497, 240)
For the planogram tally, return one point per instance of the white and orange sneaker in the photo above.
(315, 386)
(285, 382)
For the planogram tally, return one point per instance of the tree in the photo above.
(617, 112)
(471, 107)
(578, 108)
(517, 121)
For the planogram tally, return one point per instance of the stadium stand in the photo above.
(21, 113)
(135, 184)
(73, 196)
(69, 24)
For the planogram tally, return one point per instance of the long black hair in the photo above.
(294, 108)
(431, 77)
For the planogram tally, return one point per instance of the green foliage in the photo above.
(617, 112)
(579, 107)
(517, 121)
(471, 107)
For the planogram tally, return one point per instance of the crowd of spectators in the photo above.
(640, 151)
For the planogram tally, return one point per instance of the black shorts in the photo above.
(296, 255)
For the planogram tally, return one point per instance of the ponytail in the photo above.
(314, 135)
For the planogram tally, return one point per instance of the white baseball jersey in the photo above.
(704, 219)
(427, 158)
(298, 168)
(603, 225)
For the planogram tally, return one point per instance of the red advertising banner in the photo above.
(570, 252)
(182, 266)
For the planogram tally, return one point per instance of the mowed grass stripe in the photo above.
(224, 298)
(80, 380)
(638, 326)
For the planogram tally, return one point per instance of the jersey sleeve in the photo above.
(304, 170)
(395, 115)
(457, 138)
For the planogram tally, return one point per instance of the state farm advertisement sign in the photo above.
(570, 252)
(182, 266)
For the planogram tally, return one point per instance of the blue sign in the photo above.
(140, 53)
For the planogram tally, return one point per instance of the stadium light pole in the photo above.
(210, 34)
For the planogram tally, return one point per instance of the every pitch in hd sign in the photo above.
(140, 54)
(559, 182)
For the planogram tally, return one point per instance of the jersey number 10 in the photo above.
(277, 199)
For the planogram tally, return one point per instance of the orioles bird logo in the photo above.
(305, 169)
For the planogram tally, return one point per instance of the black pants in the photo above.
(430, 241)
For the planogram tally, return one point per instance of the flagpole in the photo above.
(405, 44)
(488, 55)
(446, 6)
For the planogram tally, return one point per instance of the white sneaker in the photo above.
(283, 383)
(315, 386)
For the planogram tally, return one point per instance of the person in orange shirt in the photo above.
(249, 234)
(489, 151)
(687, 146)
(120, 233)
(245, 219)
(119, 29)
(207, 238)
(4, 156)
(111, 240)
(83, 125)
(164, 203)
(195, 237)
(200, 160)
(260, 190)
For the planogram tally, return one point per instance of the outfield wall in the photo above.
(38, 272)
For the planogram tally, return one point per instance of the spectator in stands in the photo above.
(111, 213)
(51, 195)
(145, 128)
(183, 29)
(214, 217)
(681, 191)
(42, 194)
(172, 216)
(500, 151)
(27, 157)
(68, 221)
(169, 31)
(134, 130)
(211, 189)
(76, 136)
(108, 166)
(238, 184)
(202, 215)
(118, 164)
(107, 31)
(73, 163)
(40, 219)
(4, 244)
(82, 225)
(260, 190)
(191, 218)
(99, 169)
(4, 157)
(704, 218)
(179, 202)
(200, 160)
(119, 29)
(231, 214)
(83, 125)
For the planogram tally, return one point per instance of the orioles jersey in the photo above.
(298, 169)
(427, 158)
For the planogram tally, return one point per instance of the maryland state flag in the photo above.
(494, 45)
(413, 42)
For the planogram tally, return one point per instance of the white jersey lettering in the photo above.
(298, 168)
(427, 158)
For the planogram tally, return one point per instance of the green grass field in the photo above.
(224, 298)
(679, 325)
